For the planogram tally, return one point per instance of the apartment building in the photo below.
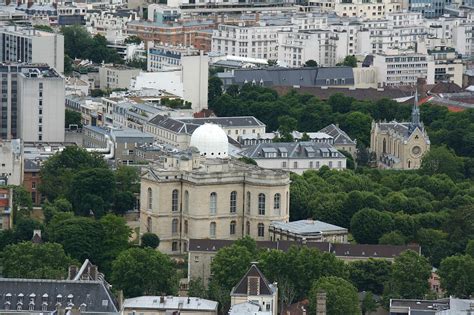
(116, 76)
(167, 57)
(41, 106)
(110, 23)
(399, 31)
(11, 162)
(404, 68)
(371, 9)
(31, 46)
(187, 33)
(253, 41)
(33, 104)
(448, 65)
(297, 47)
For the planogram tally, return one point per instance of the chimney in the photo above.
(7, 2)
(93, 272)
(120, 299)
(72, 272)
(321, 303)
(162, 299)
(36, 239)
(29, 4)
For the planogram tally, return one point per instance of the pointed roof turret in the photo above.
(415, 114)
(253, 283)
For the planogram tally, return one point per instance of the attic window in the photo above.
(253, 285)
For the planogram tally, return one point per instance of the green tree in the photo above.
(128, 178)
(116, 236)
(410, 274)
(434, 244)
(272, 63)
(368, 225)
(44, 28)
(24, 227)
(229, 265)
(349, 61)
(58, 171)
(470, 248)
(357, 125)
(72, 118)
(128, 273)
(68, 65)
(214, 89)
(247, 160)
(92, 190)
(287, 124)
(196, 289)
(35, 261)
(370, 275)
(310, 63)
(442, 160)
(82, 238)
(150, 240)
(368, 304)
(392, 238)
(341, 296)
(133, 39)
(124, 201)
(457, 276)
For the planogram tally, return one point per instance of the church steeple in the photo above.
(415, 114)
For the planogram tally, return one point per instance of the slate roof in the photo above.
(93, 294)
(188, 125)
(340, 250)
(339, 135)
(31, 165)
(293, 150)
(256, 285)
(304, 77)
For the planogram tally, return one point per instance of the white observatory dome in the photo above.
(211, 141)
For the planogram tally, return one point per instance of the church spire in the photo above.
(415, 114)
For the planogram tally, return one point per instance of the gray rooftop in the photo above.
(170, 303)
(304, 77)
(292, 150)
(306, 227)
(340, 136)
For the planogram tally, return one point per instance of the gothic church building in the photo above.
(400, 145)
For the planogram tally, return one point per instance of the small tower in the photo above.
(415, 114)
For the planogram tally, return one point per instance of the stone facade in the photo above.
(400, 145)
(187, 196)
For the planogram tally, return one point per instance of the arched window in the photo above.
(261, 204)
(247, 228)
(185, 226)
(248, 201)
(232, 227)
(261, 230)
(213, 203)
(150, 199)
(409, 163)
(212, 229)
(384, 146)
(174, 226)
(149, 225)
(277, 203)
(233, 202)
(186, 202)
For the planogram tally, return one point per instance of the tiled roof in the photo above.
(295, 150)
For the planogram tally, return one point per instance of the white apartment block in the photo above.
(398, 32)
(248, 41)
(297, 47)
(358, 8)
(41, 105)
(116, 76)
(167, 57)
(31, 46)
(110, 24)
(404, 69)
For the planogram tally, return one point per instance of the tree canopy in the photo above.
(37, 261)
(144, 271)
(457, 276)
(341, 296)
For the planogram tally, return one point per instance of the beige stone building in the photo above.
(400, 145)
(202, 194)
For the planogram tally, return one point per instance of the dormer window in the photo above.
(59, 299)
(20, 298)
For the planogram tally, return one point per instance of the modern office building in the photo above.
(31, 46)
(32, 104)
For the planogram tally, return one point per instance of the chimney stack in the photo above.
(72, 272)
(321, 303)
